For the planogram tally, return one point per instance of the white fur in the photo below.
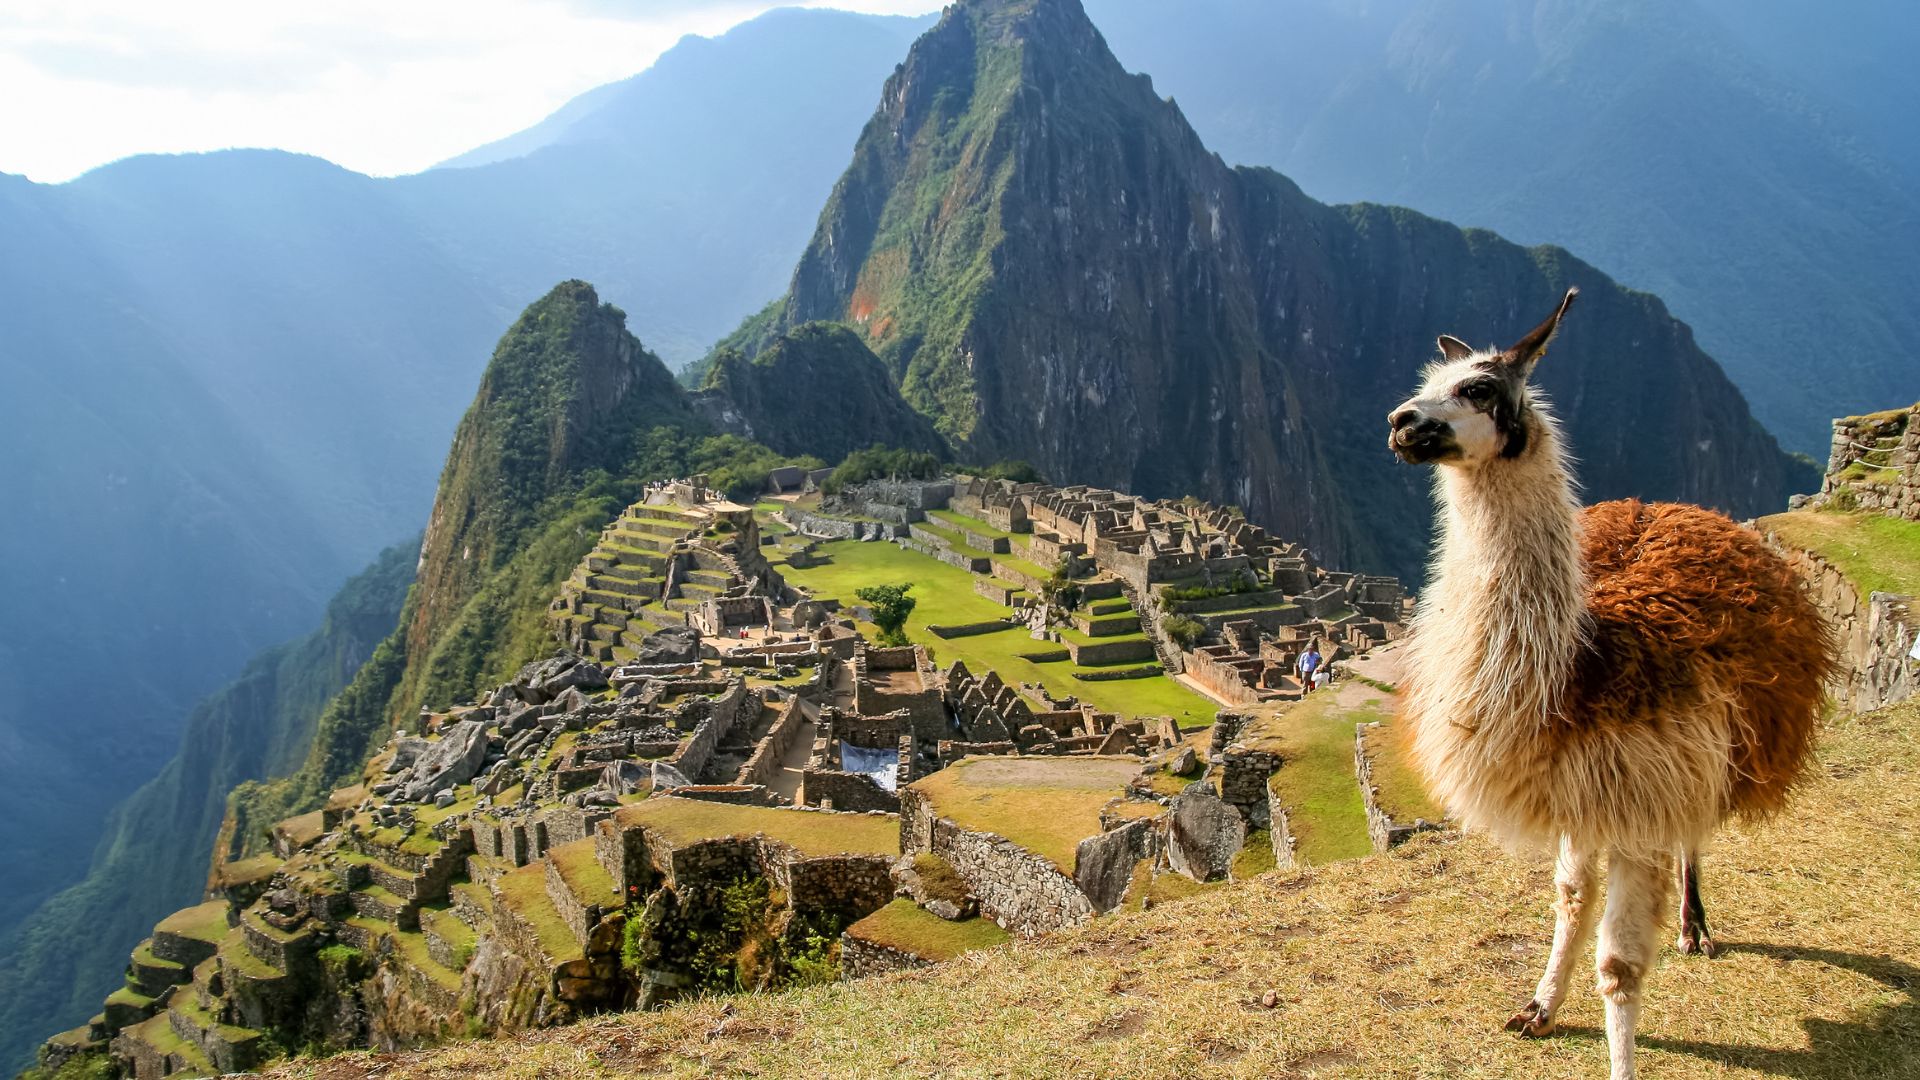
(1492, 649)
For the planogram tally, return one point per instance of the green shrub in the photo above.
(876, 462)
(1183, 629)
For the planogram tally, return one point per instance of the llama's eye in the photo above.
(1476, 391)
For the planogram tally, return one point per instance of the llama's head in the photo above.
(1473, 406)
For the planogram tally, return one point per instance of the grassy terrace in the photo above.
(906, 926)
(1046, 805)
(1876, 552)
(412, 945)
(973, 524)
(584, 875)
(1317, 785)
(1403, 795)
(955, 541)
(946, 597)
(525, 891)
(235, 953)
(205, 922)
(814, 833)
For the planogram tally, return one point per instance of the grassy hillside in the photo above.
(1404, 965)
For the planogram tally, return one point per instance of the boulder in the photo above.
(406, 750)
(444, 798)
(1184, 762)
(581, 675)
(666, 776)
(672, 645)
(448, 763)
(626, 778)
(1205, 834)
(571, 700)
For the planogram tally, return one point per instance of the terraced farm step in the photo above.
(375, 902)
(156, 1050)
(150, 974)
(228, 1048)
(715, 579)
(580, 888)
(638, 570)
(450, 941)
(190, 935)
(606, 583)
(1096, 626)
(524, 909)
(126, 1007)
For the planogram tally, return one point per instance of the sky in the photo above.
(380, 86)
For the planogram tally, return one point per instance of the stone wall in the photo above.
(1382, 829)
(856, 792)
(860, 958)
(763, 766)
(1875, 634)
(833, 528)
(726, 710)
(1887, 447)
(1026, 894)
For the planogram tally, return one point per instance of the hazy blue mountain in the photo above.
(1670, 142)
(227, 380)
(154, 855)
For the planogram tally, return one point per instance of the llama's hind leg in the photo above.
(1629, 938)
(1694, 936)
(1573, 909)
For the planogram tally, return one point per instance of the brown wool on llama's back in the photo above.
(1683, 602)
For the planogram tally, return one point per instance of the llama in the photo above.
(1617, 680)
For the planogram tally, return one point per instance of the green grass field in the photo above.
(904, 925)
(945, 597)
(1317, 785)
(1876, 552)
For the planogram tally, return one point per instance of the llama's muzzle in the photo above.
(1417, 438)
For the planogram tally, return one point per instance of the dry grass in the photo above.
(1046, 805)
(812, 832)
(1391, 966)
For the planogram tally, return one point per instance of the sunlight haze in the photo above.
(380, 88)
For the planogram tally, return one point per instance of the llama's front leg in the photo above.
(1694, 936)
(1573, 910)
(1629, 937)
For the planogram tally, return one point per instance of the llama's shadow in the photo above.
(1837, 1049)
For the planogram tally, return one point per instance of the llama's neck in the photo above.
(1507, 607)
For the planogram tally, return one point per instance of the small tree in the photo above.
(890, 605)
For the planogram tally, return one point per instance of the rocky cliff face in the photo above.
(1056, 269)
(816, 389)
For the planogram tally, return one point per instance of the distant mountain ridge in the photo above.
(1753, 164)
(1056, 269)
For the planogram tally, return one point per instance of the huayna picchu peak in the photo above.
(998, 642)
(1058, 271)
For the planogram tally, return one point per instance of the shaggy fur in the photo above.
(1614, 680)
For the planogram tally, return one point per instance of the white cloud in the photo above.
(376, 86)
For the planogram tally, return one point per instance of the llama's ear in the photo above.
(1453, 348)
(1528, 350)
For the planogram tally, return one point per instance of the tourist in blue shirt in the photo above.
(1309, 663)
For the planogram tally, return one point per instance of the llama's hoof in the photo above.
(1531, 1022)
(1691, 944)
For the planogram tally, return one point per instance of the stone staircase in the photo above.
(648, 569)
